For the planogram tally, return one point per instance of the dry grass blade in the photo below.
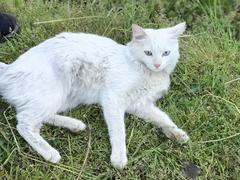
(14, 137)
(225, 100)
(229, 102)
(66, 19)
(62, 166)
(221, 139)
(87, 153)
(237, 79)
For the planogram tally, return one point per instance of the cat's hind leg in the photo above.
(29, 128)
(72, 124)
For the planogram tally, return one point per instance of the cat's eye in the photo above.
(148, 53)
(165, 53)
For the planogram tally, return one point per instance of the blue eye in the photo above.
(165, 53)
(148, 53)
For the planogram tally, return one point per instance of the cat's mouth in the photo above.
(153, 69)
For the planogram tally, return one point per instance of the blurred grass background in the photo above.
(203, 98)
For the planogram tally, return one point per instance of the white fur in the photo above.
(78, 68)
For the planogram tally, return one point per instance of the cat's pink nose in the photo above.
(157, 65)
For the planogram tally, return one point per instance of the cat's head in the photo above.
(156, 49)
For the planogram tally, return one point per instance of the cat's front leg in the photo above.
(114, 117)
(150, 113)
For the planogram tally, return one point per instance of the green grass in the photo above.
(204, 98)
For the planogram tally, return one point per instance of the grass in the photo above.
(203, 98)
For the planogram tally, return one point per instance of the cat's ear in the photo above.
(138, 33)
(177, 30)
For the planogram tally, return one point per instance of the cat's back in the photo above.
(85, 40)
(74, 49)
(83, 44)
(68, 49)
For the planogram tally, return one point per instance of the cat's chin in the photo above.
(156, 70)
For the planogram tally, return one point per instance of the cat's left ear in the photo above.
(177, 30)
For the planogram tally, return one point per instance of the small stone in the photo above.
(190, 170)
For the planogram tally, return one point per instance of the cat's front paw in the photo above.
(119, 162)
(176, 134)
(78, 126)
(52, 155)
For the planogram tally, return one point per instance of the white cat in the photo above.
(78, 68)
